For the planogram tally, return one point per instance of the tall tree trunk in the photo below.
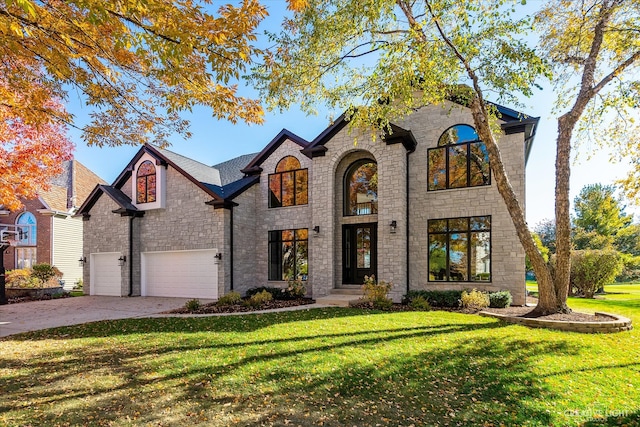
(548, 298)
(566, 124)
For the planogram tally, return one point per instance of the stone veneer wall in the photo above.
(507, 255)
(328, 209)
(290, 217)
(186, 223)
(246, 242)
(105, 231)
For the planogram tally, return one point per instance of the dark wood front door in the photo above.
(359, 252)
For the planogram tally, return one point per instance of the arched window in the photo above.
(361, 188)
(460, 160)
(288, 186)
(146, 183)
(27, 238)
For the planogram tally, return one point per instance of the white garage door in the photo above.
(106, 274)
(184, 274)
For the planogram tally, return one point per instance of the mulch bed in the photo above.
(567, 317)
(212, 308)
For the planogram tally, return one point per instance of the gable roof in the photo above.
(203, 176)
(125, 207)
(514, 122)
(398, 135)
(254, 166)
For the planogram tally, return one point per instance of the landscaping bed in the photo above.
(214, 308)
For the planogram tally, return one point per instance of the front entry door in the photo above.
(359, 252)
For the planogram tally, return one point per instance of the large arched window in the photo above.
(27, 239)
(146, 182)
(361, 188)
(288, 186)
(460, 160)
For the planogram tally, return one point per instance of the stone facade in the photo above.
(239, 225)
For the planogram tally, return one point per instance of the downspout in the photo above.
(231, 249)
(407, 218)
(131, 255)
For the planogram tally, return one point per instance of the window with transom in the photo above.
(288, 186)
(460, 160)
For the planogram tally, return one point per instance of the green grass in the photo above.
(331, 367)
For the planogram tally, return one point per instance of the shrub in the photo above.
(276, 293)
(192, 305)
(420, 303)
(259, 299)
(296, 289)
(447, 299)
(232, 298)
(21, 278)
(500, 299)
(377, 292)
(593, 269)
(47, 273)
(474, 299)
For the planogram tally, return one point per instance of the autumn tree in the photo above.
(30, 153)
(136, 64)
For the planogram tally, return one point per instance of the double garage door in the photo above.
(183, 274)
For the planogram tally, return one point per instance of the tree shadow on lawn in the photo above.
(433, 374)
(245, 322)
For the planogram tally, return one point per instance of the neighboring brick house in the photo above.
(416, 208)
(50, 232)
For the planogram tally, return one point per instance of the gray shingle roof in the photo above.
(197, 170)
(230, 170)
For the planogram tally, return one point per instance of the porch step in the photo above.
(348, 290)
(339, 299)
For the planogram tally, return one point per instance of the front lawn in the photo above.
(331, 367)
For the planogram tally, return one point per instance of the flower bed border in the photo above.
(617, 323)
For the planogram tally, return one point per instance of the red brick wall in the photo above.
(43, 242)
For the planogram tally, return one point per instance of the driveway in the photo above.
(36, 315)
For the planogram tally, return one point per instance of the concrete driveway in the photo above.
(36, 315)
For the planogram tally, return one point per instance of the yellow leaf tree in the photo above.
(136, 64)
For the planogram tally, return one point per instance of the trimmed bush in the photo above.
(593, 269)
(259, 299)
(474, 299)
(193, 305)
(500, 299)
(294, 290)
(442, 299)
(45, 272)
(377, 292)
(232, 298)
(21, 278)
(420, 303)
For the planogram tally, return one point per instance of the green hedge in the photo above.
(446, 299)
(451, 298)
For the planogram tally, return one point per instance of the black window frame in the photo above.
(446, 149)
(275, 266)
(273, 199)
(449, 230)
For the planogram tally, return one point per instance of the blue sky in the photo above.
(215, 141)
